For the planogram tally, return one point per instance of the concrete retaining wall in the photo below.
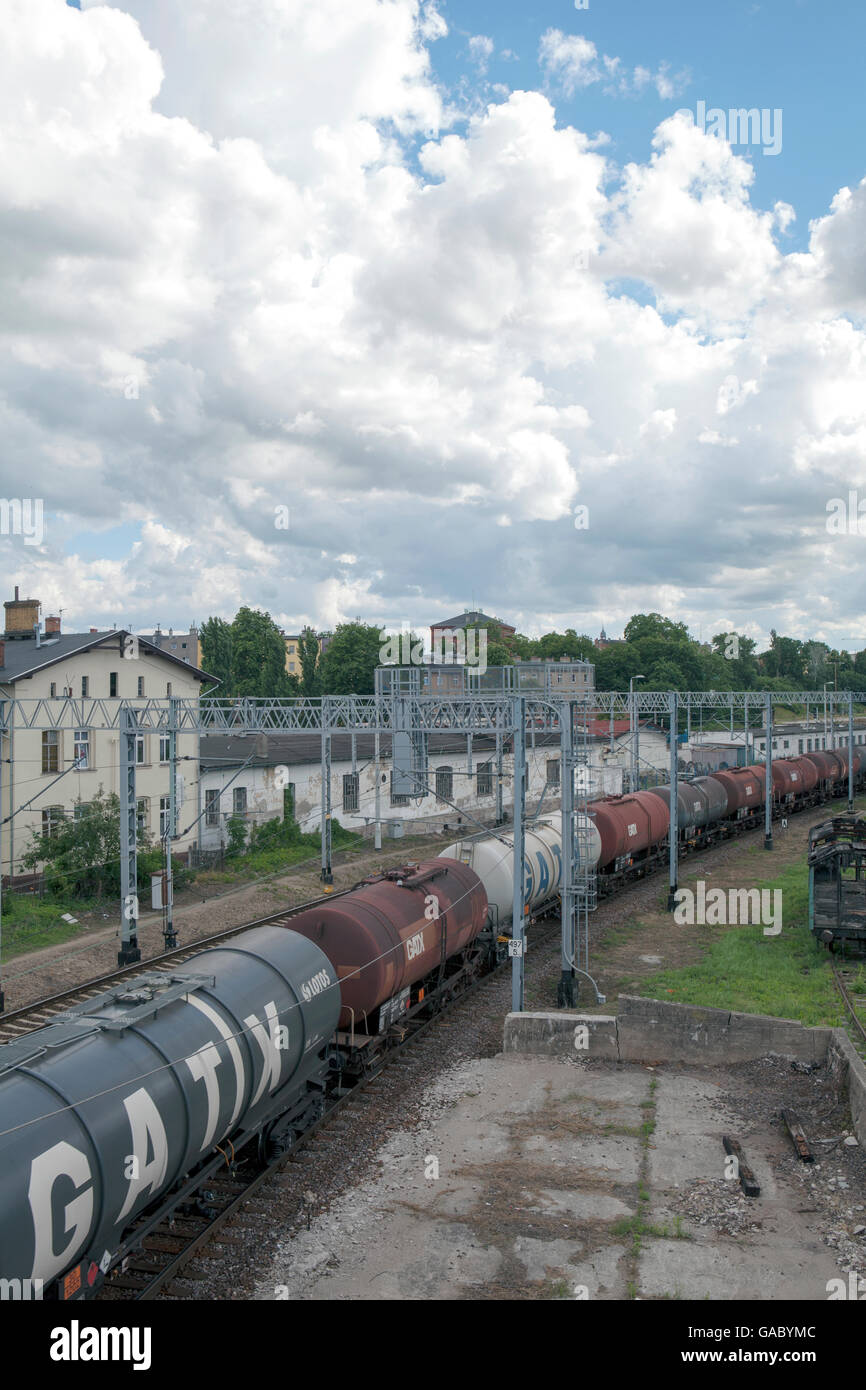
(851, 1078)
(650, 1030)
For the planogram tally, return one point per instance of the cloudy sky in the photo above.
(432, 277)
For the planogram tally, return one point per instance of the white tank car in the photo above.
(542, 859)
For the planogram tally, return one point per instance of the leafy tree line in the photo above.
(248, 657)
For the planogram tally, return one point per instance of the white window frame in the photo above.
(81, 743)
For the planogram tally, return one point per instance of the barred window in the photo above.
(212, 807)
(553, 772)
(484, 779)
(350, 791)
(239, 801)
(444, 784)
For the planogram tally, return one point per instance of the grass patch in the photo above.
(785, 976)
(259, 863)
(558, 1288)
(31, 922)
(637, 1226)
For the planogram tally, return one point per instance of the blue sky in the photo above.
(803, 56)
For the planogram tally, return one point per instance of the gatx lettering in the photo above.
(415, 946)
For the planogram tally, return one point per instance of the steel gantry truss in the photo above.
(409, 718)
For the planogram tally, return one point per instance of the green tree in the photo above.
(499, 651)
(348, 665)
(739, 663)
(216, 652)
(553, 645)
(81, 857)
(655, 625)
(309, 652)
(237, 831)
(615, 665)
(258, 656)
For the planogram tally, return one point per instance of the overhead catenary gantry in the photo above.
(410, 718)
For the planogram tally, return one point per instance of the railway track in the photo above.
(855, 1004)
(17, 1022)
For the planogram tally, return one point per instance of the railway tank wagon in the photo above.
(493, 860)
(392, 932)
(826, 766)
(695, 806)
(807, 775)
(106, 1111)
(630, 828)
(744, 788)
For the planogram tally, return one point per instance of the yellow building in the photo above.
(293, 651)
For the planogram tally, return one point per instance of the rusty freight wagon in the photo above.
(837, 883)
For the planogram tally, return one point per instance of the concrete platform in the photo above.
(541, 1177)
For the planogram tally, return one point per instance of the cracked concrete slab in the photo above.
(533, 1177)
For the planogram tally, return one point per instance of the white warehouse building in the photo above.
(290, 772)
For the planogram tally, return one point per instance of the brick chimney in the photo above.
(94, 629)
(52, 627)
(22, 615)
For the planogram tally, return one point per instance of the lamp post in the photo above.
(634, 731)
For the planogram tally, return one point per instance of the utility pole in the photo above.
(168, 932)
(565, 991)
(500, 806)
(634, 733)
(518, 923)
(674, 831)
(2, 724)
(129, 952)
(327, 874)
(850, 751)
(377, 834)
(768, 776)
